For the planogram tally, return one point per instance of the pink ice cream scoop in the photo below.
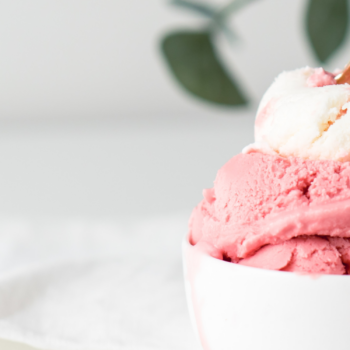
(287, 210)
(277, 213)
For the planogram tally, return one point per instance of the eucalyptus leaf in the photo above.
(193, 61)
(203, 9)
(327, 24)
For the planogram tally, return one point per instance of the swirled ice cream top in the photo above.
(304, 114)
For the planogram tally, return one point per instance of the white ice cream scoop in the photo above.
(305, 113)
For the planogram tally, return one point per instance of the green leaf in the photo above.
(193, 61)
(327, 24)
(203, 9)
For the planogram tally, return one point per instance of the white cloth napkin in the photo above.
(94, 286)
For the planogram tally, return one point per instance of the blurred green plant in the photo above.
(327, 23)
(192, 59)
(196, 65)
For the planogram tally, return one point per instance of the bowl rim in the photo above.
(186, 245)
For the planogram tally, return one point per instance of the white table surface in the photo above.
(94, 285)
(112, 169)
(8, 345)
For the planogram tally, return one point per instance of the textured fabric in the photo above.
(97, 286)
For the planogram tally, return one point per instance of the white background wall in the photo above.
(92, 124)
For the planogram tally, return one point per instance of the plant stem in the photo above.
(218, 20)
(233, 6)
(203, 9)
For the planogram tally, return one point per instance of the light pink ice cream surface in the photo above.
(277, 213)
(321, 78)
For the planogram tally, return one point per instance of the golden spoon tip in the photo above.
(344, 76)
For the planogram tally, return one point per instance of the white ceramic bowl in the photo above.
(244, 308)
